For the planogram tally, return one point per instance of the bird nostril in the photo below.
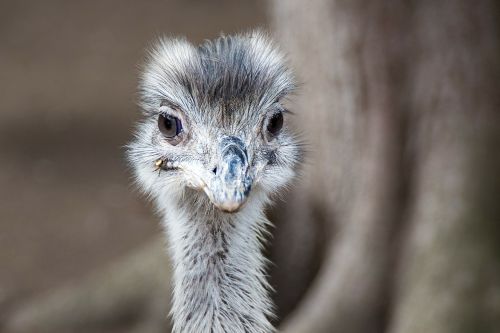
(214, 170)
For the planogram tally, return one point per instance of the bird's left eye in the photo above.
(169, 126)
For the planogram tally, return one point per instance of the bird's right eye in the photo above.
(169, 126)
(274, 125)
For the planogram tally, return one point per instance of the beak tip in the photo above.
(229, 206)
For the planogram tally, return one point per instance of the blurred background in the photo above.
(394, 225)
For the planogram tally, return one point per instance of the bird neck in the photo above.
(219, 277)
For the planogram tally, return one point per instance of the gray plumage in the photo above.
(213, 180)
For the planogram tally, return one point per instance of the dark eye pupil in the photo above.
(169, 126)
(275, 123)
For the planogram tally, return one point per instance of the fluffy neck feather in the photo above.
(219, 278)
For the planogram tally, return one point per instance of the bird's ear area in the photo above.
(279, 81)
(166, 63)
(170, 54)
(264, 50)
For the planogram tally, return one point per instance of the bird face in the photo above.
(223, 162)
(214, 122)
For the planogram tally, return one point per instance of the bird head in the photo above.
(214, 122)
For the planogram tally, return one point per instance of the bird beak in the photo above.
(231, 184)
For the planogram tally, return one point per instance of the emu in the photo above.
(212, 150)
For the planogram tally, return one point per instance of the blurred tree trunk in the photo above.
(401, 105)
(449, 271)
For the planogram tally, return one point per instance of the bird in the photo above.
(212, 150)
